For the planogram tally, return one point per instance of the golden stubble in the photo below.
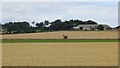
(60, 54)
(70, 34)
(0, 51)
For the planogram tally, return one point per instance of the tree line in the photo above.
(25, 27)
(17, 27)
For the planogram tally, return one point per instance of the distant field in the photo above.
(70, 34)
(60, 54)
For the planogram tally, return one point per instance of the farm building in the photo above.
(91, 27)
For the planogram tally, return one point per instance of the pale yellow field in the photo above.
(70, 34)
(0, 51)
(0, 54)
(60, 54)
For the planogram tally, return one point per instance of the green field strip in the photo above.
(56, 40)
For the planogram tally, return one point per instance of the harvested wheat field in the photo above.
(70, 34)
(60, 54)
(0, 53)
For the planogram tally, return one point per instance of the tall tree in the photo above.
(33, 23)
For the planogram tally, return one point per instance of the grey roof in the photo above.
(105, 26)
(92, 25)
(87, 25)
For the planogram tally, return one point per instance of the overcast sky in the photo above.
(101, 12)
(60, 0)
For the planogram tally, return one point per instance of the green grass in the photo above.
(56, 40)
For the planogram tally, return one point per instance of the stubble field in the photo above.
(70, 34)
(60, 54)
(38, 53)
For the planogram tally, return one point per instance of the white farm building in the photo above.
(90, 27)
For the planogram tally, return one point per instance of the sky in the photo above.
(60, 0)
(101, 12)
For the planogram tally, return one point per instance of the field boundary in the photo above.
(57, 40)
(60, 67)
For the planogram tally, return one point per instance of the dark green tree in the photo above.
(24, 27)
(90, 22)
(118, 27)
(18, 27)
(40, 25)
(46, 22)
(33, 23)
(100, 27)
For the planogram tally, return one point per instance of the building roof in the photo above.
(105, 26)
(92, 25)
(87, 25)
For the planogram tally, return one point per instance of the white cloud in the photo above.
(40, 11)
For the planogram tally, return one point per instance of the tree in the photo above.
(24, 27)
(40, 25)
(56, 21)
(118, 27)
(33, 23)
(78, 22)
(100, 27)
(90, 22)
(46, 22)
(56, 25)
(18, 27)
